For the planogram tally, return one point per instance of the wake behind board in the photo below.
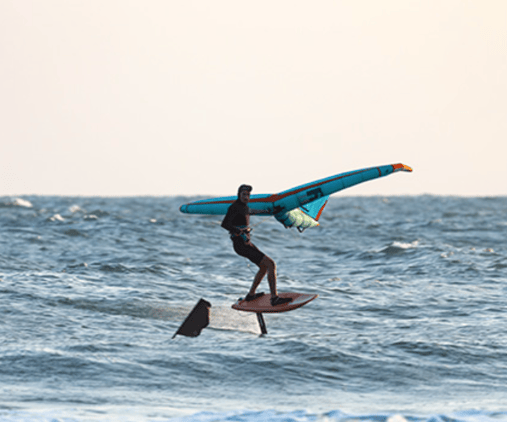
(263, 305)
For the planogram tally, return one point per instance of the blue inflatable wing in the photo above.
(299, 207)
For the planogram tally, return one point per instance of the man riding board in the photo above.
(237, 221)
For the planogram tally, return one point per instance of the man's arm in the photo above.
(275, 210)
(254, 212)
(227, 221)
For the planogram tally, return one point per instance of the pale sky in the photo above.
(190, 97)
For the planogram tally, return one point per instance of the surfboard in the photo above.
(263, 304)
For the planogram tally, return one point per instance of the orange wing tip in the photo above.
(401, 167)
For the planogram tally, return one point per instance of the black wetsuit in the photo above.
(236, 219)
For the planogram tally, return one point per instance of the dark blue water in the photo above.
(410, 323)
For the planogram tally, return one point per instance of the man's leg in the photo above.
(271, 275)
(271, 269)
(267, 265)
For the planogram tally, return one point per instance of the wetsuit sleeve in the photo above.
(227, 221)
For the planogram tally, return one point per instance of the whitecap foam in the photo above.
(75, 208)
(400, 247)
(404, 245)
(20, 202)
(56, 217)
(336, 416)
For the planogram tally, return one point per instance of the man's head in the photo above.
(244, 193)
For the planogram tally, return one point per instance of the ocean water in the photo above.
(410, 324)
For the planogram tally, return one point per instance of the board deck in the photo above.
(263, 305)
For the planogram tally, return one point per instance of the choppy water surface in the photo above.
(410, 323)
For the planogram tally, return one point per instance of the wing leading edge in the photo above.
(299, 207)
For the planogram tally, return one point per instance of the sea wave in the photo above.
(271, 415)
(408, 326)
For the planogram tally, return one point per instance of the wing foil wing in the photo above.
(301, 206)
(311, 192)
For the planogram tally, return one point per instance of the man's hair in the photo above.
(244, 187)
